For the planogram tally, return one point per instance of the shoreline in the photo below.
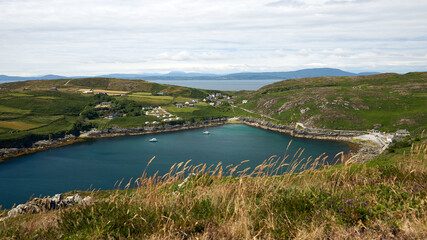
(9, 153)
(359, 151)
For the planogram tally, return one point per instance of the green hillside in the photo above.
(42, 109)
(389, 101)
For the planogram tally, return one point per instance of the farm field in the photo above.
(386, 101)
(108, 92)
(148, 97)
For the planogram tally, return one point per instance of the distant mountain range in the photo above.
(313, 72)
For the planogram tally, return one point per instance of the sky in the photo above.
(93, 37)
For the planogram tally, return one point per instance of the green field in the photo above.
(149, 98)
(4, 109)
(29, 110)
(130, 122)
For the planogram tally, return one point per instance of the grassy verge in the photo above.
(384, 198)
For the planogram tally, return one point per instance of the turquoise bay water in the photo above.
(102, 162)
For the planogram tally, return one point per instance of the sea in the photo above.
(102, 163)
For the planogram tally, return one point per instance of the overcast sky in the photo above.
(90, 37)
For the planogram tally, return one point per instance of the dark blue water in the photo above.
(223, 85)
(100, 163)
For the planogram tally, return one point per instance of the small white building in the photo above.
(245, 101)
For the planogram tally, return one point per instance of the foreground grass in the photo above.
(384, 198)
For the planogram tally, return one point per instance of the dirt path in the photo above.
(262, 115)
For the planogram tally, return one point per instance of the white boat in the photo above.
(206, 132)
(153, 140)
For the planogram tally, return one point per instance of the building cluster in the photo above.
(160, 113)
(188, 104)
(389, 138)
(218, 99)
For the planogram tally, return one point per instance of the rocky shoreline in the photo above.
(37, 205)
(361, 151)
(117, 131)
(7, 153)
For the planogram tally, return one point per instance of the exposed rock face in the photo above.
(307, 132)
(365, 153)
(55, 202)
(42, 144)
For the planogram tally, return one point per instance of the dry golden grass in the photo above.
(17, 125)
(381, 199)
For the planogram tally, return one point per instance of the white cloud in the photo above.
(85, 37)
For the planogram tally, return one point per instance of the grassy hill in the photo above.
(41, 109)
(382, 199)
(390, 101)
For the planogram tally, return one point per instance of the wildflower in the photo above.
(318, 212)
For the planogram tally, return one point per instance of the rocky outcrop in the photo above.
(117, 131)
(56, 202)
(361, 151)
(6, 153)
(329, 134)
(365, 153)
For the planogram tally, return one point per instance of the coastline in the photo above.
(9, 153)
(360, 151)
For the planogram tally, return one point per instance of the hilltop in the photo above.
(385, 101)
(175, 75)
